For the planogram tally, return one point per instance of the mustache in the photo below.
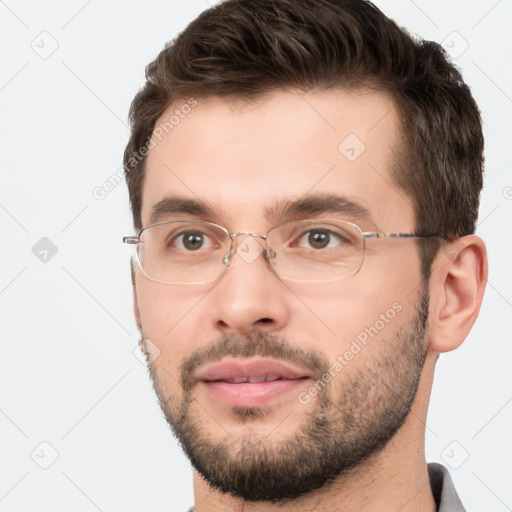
(252, 345)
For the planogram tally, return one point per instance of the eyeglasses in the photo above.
(198, 252)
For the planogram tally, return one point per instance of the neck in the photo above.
(396, 478)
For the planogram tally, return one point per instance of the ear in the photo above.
(457, 284)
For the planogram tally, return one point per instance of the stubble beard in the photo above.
(347, 424)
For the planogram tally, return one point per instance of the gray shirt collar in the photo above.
(443, 490)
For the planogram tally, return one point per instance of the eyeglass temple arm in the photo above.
(131, 239)
(370, 234)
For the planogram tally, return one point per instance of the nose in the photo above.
(250, 296)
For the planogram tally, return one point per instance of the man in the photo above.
(304, 180)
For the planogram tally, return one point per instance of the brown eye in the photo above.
(190, 241)
(193, 241)
(319, 239)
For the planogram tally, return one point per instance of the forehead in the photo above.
(243, 159)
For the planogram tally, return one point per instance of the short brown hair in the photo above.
(247, 48)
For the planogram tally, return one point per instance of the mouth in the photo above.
(250, 382)
(253, 379)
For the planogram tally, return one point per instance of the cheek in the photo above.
(171, 316)
(372, 304)
(391, 273)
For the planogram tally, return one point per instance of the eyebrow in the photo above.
(283, 211)
(318, 204)
(175, 205)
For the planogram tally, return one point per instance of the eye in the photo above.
(191, 241)
(320, 238)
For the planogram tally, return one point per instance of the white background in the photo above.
(69, 376)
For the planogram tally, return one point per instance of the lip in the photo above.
(229, 381)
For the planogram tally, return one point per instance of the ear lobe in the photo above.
(457, 286)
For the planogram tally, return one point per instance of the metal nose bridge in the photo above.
(257, 235)
(227, 259)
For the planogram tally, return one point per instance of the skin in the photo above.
(285, 145)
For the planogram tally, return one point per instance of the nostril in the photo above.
(266, 320)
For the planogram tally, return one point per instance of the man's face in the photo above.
(357, 344)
